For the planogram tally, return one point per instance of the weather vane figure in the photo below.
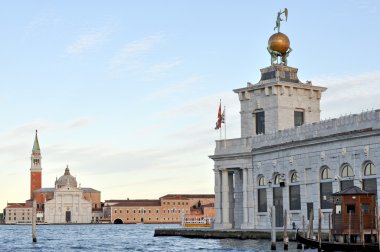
(278, 20)
(278, 43)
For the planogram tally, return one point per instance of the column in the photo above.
(250, 199)
(245, 199)
(225, 200)
(218, 199)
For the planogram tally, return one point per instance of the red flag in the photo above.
(219, 122)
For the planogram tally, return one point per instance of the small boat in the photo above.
(336, 246)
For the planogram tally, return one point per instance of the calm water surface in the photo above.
(117, 238)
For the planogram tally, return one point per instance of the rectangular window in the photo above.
(365, 208)
(262, 200)
(370, 185)
(298, 118)
(260, 122)
(344, 184)
(325, 196)
(295, 197)
(351, 208)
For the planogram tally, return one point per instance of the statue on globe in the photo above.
(278, 43)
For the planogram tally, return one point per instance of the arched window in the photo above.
(347, 171)
(294, 177)
(369, 169)
(262, 181)
(277, 179)
(369, 183)
(294, 192)
(325, 188)
(262, 194)
(326, 173)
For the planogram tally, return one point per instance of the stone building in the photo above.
(167, 209)
(287, 157)
(17, 213)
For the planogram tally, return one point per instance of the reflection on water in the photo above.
(117, 237)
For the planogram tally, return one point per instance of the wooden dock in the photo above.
(206, 233)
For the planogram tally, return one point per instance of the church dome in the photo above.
(66, 180)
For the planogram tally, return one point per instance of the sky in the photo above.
(126, 92)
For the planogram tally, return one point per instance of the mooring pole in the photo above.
(319, 229)
(286, 239)
(311, 224)
(299, 245)
(273, 244)
(34, 217)
(330, 236)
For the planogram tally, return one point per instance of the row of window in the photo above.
(149, 211)
(346, 172)
(173, 203)
(157, 219)
(260, 120)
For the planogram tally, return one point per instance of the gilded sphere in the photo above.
(279, 42)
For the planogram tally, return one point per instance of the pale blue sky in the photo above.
(126, 92)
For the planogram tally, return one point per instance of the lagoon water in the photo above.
(109, 237)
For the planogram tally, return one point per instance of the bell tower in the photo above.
(35, 168)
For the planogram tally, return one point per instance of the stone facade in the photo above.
(18, 213)
(294, 167)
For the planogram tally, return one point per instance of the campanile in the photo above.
(35, 168)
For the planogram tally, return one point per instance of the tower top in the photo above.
(36, 145)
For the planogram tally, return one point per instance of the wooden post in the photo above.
(299, 245)
(330, 235)
(361, 227)
(311, 220)
(319, 229)
(286, 239)
(34, 217)
(303, 226)
(349, 226)
(273, 244)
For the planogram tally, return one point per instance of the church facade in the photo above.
(65, 202)
(286, 157)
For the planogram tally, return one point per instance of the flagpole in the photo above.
(225, 126)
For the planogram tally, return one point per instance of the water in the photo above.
(117, 238)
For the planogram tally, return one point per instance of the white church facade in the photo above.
(288, 158)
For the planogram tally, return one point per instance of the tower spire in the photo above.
(36, 145)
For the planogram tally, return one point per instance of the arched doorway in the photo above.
(117, 221)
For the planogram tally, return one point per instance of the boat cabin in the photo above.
(354, 216)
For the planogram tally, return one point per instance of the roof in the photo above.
(36, 145)
(353, 190)
(137, 203)
(45, 190)
(17, 205)
(52, 189)
(187, 196)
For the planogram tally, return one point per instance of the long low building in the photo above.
(167, 209)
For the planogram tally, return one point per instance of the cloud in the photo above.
(80, 122)
(87, 41)
(132, 52)
(349, 93)
(175, 88)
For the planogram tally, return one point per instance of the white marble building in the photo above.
(287, 157)
(68, 204)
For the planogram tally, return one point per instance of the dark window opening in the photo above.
(262, 198)
(351, 208)
(298, 118)
(326, 191)
(295, 197)
(260, 122)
